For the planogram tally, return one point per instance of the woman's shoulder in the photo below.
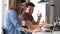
(9, 11)
(12, 11)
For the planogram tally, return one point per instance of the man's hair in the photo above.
(30, 4)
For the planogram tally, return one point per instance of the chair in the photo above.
(4, 31)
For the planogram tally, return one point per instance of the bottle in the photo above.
(46, 19)
(56, 21)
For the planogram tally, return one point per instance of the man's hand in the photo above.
(39, 15)
(37, 28)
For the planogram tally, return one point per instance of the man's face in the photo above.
(30, 9)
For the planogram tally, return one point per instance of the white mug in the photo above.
(23, 23)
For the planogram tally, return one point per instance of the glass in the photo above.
(39, 14)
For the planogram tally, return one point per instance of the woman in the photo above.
(12, 25)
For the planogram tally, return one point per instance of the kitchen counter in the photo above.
(53, 32)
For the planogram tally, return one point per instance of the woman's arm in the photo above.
(15, 21)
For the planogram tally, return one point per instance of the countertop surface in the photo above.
(53, 32)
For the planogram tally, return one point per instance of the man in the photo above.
(27, 17)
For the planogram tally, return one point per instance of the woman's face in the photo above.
(22, 5)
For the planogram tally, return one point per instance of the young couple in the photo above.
(20, 13)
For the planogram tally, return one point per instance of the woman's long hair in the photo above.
(15, 4)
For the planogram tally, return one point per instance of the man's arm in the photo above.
(38, 20)
(35, 23)
(29, 24)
